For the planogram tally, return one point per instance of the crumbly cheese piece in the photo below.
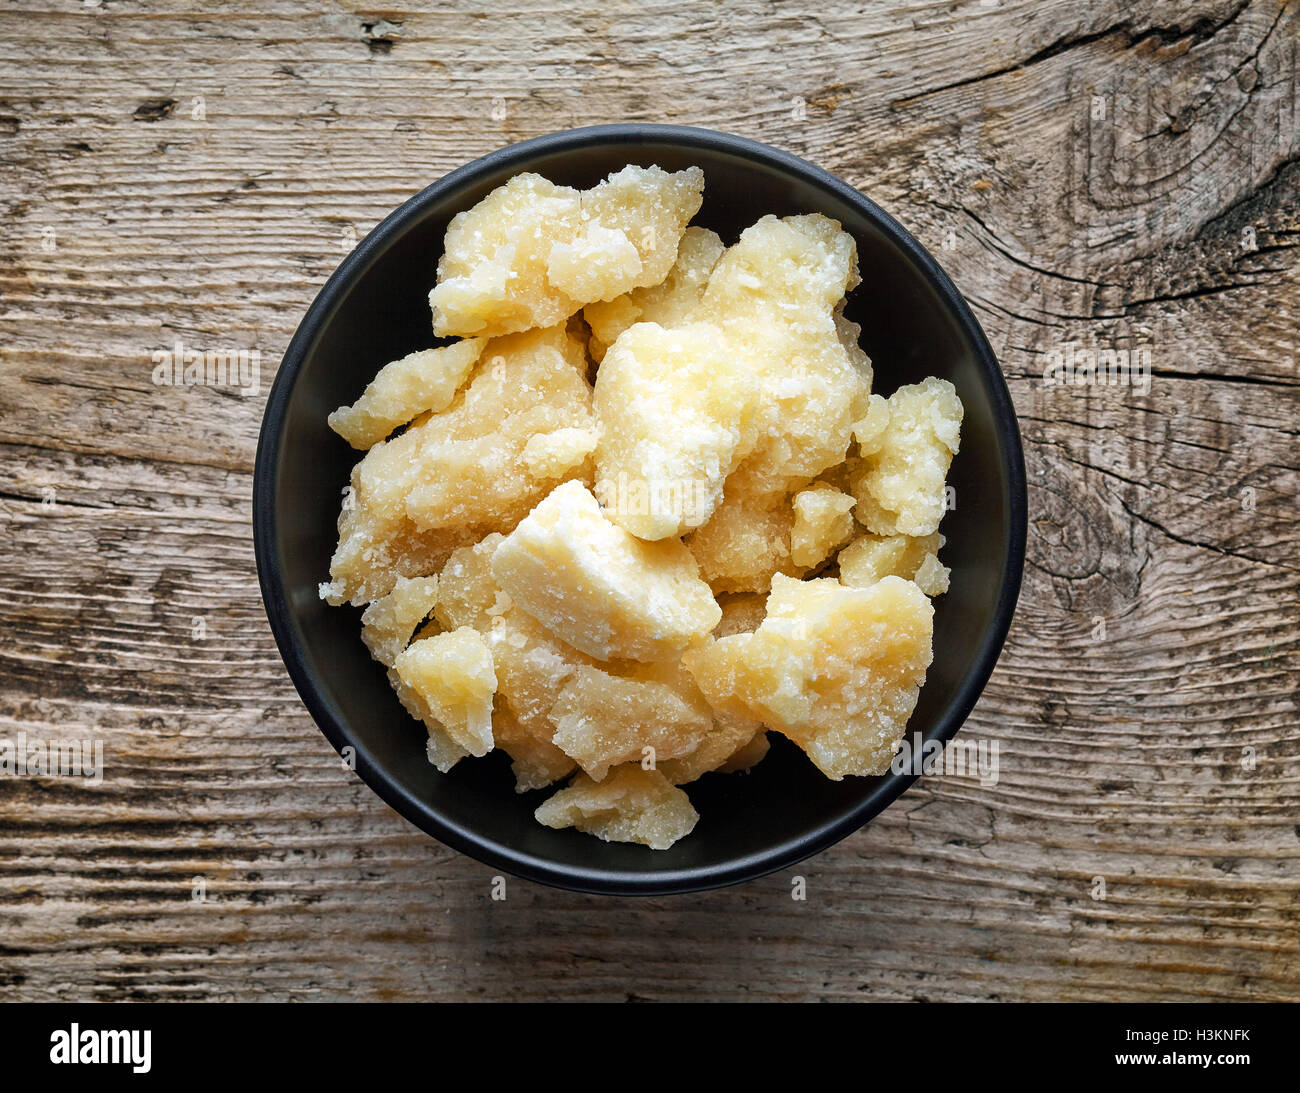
(836, 669)
(899, 482)
(424, 381)
(492, 277)
(553, 455)
(441, 749)
(599, 588)
(823, 522)
(388, 623)
(613, 317)
(932, 576)
(453, 476)
(596, 258)
(850, 334)
(729, 743)
(871, 557)
(602, 720)
(742, 613)
(652, 714)
(535, 761)
(532, 668)
(747, 539)
(675, 410)
(531, 665)
(468, 594)
(869, 429)
(747, 756)
(531, 253)
(631, 805)
(670, 303)
(378, 546)
(775, 293)
(649, 208)
(453, 675)
(465, 467)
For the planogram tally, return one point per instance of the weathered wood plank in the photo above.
(1116, 178)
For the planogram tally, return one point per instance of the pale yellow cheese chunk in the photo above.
(899, 480)
(675, 410)
(453, 675)
(932, 576)
(631, 805)
(492, 277)
(468, 594)
(613, 317)
(532, 668)
(531, 253)
(465, 466)
(870, 557)
(775, 293)
(670, 303)
(378, 546)
(647, 207)
(836, 669)
(747, 539)
(553, 455)
(597, 257)
(421, 382)
(747, 756)
(453, 476)
(602, 720)
(731, 744)
(442, 750)
(823, 522)
(599, 588)
(388, 623)
(652, 714)
(531, 665)
(534, 760)
(869, 430)
(742, 613)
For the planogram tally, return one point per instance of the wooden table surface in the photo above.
(1120, 175)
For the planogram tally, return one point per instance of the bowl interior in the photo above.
(375, 310)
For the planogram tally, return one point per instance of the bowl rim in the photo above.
(421, 813)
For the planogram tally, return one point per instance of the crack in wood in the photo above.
(1199, 31)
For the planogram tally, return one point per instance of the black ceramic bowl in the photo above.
(374, 310)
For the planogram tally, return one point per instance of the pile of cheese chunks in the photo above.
(644, 508)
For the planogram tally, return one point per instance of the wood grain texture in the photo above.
(1106, 176)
